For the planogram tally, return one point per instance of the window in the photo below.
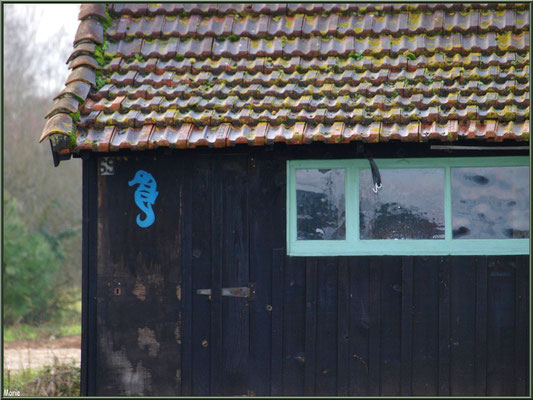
(426, 206)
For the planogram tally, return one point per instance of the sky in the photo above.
(53, 17)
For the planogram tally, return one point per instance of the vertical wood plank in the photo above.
(326, 327)
(444, 326)
(391, 308)
(522, 326)
(359, 325)
(216, 278)
(374, 356)
(462, 328)
(235, 273)
(481, 326)
(276, 379)
(185, 279)
(501, 327)
(425, 327)
(264, 227)
(407, 326)
(294, 327)
(310, 326)
(199, 257)
(343, 328)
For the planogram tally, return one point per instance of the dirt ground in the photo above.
(37, 354)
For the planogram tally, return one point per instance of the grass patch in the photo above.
(56, 380)
(67, 325)
(39, 332)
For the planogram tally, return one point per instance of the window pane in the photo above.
(490, 203)
(410, 205)
(320, 203)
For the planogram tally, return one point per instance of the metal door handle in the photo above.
(241, 291)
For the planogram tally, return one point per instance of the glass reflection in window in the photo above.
(490, 203)
(320, 204)
(410, 205)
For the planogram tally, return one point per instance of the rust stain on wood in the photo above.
(139, 291)
(146, 339)
(177, 332)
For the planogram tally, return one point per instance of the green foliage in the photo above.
(72, 140)
(57, 380)
(180, 57)
(30, 271)
(356, 56)
(100, 81)
(75, 116)
(409, 55)
(107, 21)
(99, 55)
(233, 38)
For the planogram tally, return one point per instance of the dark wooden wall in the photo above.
(317, 326)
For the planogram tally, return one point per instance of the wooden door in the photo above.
(232, 345)
(217, 321)
(230, 315)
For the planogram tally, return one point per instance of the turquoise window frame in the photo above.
(354, 246)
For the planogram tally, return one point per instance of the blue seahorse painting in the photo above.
(145, 196)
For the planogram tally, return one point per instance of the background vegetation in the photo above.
(56, 380)
(41, 210)
(42, 204)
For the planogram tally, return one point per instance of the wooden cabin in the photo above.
(302, 199)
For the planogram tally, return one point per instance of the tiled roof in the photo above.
(186, 75)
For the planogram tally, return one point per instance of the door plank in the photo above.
(235, 273)
(217, 217)
(200, 257)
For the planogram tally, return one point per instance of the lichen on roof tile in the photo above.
(189, 75)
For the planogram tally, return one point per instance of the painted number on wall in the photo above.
(107, 166)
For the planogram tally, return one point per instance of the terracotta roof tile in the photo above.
(189, 75)
(96, 139)
(90, 29)
(215, 26)
(65, 104)
(250, 26)
(181, 27)
(82, 74)
(131, 138)
(92, 10)
(84, 48)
